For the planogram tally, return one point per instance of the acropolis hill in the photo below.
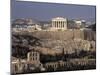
(55, 36)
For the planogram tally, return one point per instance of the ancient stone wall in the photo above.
(66, 35)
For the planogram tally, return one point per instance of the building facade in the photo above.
(59, 23)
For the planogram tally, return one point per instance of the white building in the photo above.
(59, 23)
(38, 27)
(80, 23)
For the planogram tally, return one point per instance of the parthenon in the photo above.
(59, 23)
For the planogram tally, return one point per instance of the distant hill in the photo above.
(24, 21)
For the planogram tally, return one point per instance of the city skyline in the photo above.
(46, 11)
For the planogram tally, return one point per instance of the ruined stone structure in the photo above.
(59, 23)
(33, 56)
(18, 66)
(55, 65)
(74, 63)
(31, 63)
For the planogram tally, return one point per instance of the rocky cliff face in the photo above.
(70, 46)
(56, 42)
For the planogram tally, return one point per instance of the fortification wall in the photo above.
(65, 35)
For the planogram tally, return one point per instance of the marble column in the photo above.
(54, 24)
(61, 24)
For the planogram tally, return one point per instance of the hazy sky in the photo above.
(46, 11)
